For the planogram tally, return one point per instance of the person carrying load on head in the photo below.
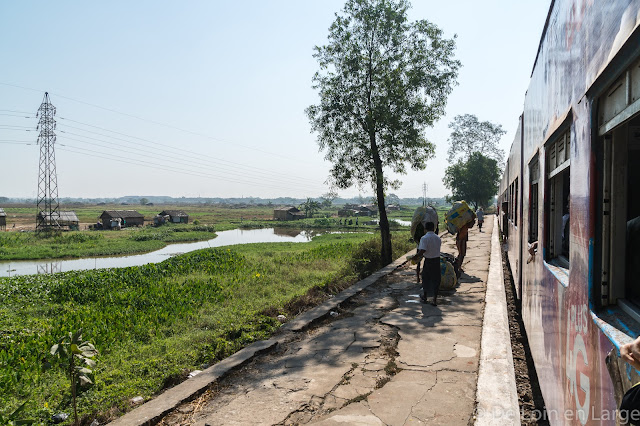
(421, 217)
(429, 248)
(459, 220)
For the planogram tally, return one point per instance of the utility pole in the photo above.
(48, 205)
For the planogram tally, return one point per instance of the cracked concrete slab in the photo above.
(449, 402)
(387, 359)
(354, 414)
(410, 386)
(434, 348)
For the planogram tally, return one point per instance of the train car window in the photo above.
(619, 131)
(621, 212)
(534, 177)
(557, 212)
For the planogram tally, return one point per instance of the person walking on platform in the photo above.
(429, 248)
(480, 216)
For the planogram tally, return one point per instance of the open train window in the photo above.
(621, 212)
(557, 211)
(534, 178)
(619, 131)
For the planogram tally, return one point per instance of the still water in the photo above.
(224, 238)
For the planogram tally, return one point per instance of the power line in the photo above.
(156, 122)
(13, 110)
(164, 168)
(16, 115)
(154, 145)
(14, 142)
(173, 160)
(19, 127)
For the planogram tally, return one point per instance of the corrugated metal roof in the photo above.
(286, 209)
(62, 216)
(69, 217)
(122, 213)
(176, 213)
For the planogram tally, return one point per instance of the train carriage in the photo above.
(570, 189)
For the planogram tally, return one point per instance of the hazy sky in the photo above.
(207, 98)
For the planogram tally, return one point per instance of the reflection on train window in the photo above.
(621, 211)
(534, 177)
(557, 212)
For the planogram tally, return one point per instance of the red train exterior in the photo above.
(568, 189)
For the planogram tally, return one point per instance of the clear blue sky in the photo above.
(211, 94)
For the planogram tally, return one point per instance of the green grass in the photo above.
(153, 324)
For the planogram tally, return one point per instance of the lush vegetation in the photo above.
(153, 324)
(475, 160)
(475, 180)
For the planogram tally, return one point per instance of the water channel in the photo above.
(224, 238)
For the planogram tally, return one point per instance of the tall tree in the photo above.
(475, 180)
(469, 135)
(382, 81)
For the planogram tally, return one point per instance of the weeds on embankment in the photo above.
(153, 324)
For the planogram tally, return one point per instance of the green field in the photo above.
(205, 220)
(153, 324)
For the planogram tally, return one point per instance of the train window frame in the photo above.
(618, 147)
(618, 143)
(557, 185)
(534, 188)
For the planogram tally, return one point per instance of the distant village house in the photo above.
(115, 219)
(358, 210)
(288, 213)
(3, 219)
(173, 216)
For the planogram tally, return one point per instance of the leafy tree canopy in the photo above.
(327, 199)
(475, 180)
(393, 199)
(469, 135)
(382, 81)
(309, 207)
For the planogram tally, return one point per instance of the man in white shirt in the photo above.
(429, 248)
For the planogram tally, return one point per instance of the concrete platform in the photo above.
(386, 359)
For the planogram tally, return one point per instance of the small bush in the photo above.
(323, 222)
(203, 228)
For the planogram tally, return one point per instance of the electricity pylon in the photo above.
(48, 205)
(424, 194)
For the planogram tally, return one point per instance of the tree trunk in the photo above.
(385, 234)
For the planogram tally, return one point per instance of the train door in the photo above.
(619, 139)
